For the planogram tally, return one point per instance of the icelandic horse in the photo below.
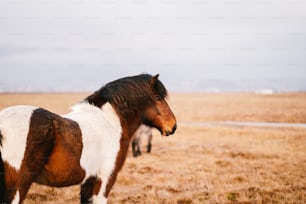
(87, 146)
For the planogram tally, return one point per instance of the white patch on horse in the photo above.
(16, 198)
(99, 199)
(14, 126)
(101, 132)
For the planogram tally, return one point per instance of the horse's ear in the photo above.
(154, 79)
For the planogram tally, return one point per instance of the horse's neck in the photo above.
(130, 120)
(85, 111)
(129, 125)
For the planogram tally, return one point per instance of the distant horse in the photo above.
(87, 146)
(142, 131)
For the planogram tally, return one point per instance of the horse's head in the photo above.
(138, 99)
(158, 114)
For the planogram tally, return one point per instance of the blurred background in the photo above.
(195, 45)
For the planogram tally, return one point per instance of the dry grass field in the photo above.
(209, 164)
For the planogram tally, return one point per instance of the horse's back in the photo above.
(14, 115)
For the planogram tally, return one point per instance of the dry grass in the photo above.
(218, 165)
(289, 107)
(205, 164)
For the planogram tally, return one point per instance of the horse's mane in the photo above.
(129, 94)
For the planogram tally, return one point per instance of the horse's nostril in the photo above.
(173, 129)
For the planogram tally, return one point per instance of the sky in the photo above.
(195, 45)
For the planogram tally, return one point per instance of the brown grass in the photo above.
(286, 107)
(205, 164)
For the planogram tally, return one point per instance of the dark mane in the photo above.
(129, 93)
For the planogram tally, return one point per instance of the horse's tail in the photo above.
(2, 178)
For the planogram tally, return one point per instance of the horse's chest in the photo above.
(100, 151)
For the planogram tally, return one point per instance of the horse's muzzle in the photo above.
(173, 129)
(169, 132)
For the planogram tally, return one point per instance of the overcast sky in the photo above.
(194, 44)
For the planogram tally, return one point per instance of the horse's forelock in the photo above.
(160, 89)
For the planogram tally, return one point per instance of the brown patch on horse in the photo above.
(91, 187)
(49, 158)
(40, 142)
(63, 166)
(10, 180)
(120, 159)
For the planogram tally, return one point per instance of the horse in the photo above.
(87, 146)
(143, 130)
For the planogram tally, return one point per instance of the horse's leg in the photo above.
(136, 146)
(34, 161)
(25, 179)
(90, 188)
(134, 143)
(40, 142)
(9, 190)
(149, 146)
(31, 167)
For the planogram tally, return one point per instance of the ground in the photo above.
(204, 164)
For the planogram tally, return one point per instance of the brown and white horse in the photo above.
(87, 146)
